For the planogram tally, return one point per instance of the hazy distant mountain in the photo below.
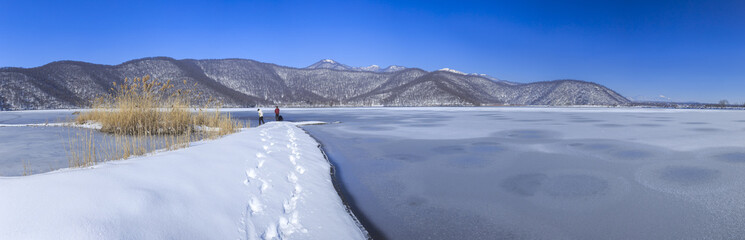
(331, 64)
(241, 82)
(392, 68)
(659, 98)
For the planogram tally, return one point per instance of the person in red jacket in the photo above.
(276, 113)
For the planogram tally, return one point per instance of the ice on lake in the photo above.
(545, 173)
(30, 143)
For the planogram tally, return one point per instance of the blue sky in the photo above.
(686, 50)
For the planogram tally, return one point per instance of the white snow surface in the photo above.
(270, 182)
(451, 70)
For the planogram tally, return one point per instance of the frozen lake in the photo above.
(540, 173)
(42, 148)
(513, 173)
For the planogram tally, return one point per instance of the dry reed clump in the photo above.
(26, 169)
(143, 115)
(147, 106)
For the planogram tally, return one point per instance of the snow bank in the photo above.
(262, 183)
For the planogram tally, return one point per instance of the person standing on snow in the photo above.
(261, 117)
(276, 113)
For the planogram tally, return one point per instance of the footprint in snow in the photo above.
(292, 177)
(249, 229)
(255, 205)
(271, 232)
(291, 225)
(290, 205)
(300, 169)
(264, 186)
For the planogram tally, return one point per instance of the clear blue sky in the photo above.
(686, 50)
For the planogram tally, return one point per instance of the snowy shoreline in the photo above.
(270, 182)
(370, 230)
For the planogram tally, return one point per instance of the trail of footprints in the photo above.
(289, 222)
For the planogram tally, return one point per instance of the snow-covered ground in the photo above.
(270, 182)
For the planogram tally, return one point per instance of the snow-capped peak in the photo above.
(392, 68)
(476, 74)
(659, 98)
(452, 71)
(372, 68)
(329, 64)
(484, 76)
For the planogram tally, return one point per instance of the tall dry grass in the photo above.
(143, 115)
(26, 169)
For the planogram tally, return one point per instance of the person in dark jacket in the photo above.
(276, 113)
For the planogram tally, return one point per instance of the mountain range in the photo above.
(244, 83)
(331, 64)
